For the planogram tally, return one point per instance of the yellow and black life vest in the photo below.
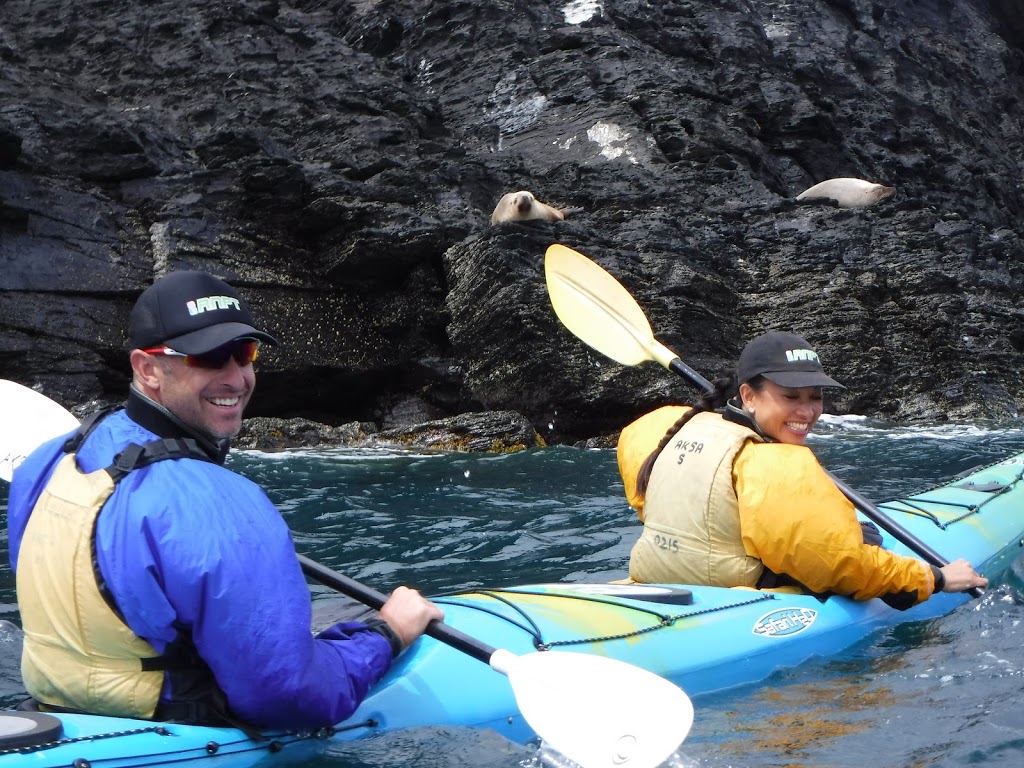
(691, 520)
(79, 654)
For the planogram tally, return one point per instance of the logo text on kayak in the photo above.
(785, 622)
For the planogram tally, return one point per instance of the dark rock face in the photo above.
(339, 161)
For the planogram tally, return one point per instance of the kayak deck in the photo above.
(115, 742)
(703, 638)
(721, 639)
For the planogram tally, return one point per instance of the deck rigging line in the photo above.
(527, 624)
(991, 492)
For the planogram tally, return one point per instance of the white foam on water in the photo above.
(353, 455)
(549, 757)
(854, 424)
(849, 418)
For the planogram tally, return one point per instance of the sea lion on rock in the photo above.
(848, 193)
(522, 206)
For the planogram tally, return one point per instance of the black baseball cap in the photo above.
(786, 359)
(191, 312)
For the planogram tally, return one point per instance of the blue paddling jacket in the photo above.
(193, 553)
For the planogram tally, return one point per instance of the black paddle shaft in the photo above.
(876, 515)
(374, 599)
(678, 366)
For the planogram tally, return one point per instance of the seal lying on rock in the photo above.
(849, 193)
(522, 205)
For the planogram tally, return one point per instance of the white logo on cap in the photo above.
(210, 303)
(795, 355)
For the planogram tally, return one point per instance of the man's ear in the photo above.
(146, 369)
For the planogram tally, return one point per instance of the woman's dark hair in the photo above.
(716, 397)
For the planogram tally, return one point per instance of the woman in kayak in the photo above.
(731, 497)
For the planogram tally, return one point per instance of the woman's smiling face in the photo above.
(787, 414)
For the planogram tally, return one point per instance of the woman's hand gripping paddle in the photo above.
(605, 316)
(597, 711)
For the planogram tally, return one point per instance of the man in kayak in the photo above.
(154, 582)
(730, 496)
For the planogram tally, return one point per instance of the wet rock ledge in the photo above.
(496, 432)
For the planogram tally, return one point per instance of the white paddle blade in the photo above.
(27, 420)
(598, 712)
(596, 307)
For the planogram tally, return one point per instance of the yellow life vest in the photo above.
(78, 653)
(637, 441)
(691, 517)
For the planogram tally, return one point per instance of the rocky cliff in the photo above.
(339, 161)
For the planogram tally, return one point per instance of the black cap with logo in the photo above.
(786, 359)
(191, 312)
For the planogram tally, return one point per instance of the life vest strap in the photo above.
(136, 456)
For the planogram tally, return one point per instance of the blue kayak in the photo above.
(702, 638)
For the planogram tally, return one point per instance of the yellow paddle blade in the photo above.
(599, 310)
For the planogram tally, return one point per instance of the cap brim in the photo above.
(801, 379)
(205, 339)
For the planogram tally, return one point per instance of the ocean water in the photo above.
(944, 692)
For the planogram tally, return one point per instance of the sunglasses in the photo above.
(244, 352)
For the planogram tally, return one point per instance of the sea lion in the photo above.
(522, 206)
(849, 193)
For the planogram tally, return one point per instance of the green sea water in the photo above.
(944, 692)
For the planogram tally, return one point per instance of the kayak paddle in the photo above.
(27, 420)
(597, 711)
(599, 310)
(583, 706)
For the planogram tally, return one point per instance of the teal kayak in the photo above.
(705, 639)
